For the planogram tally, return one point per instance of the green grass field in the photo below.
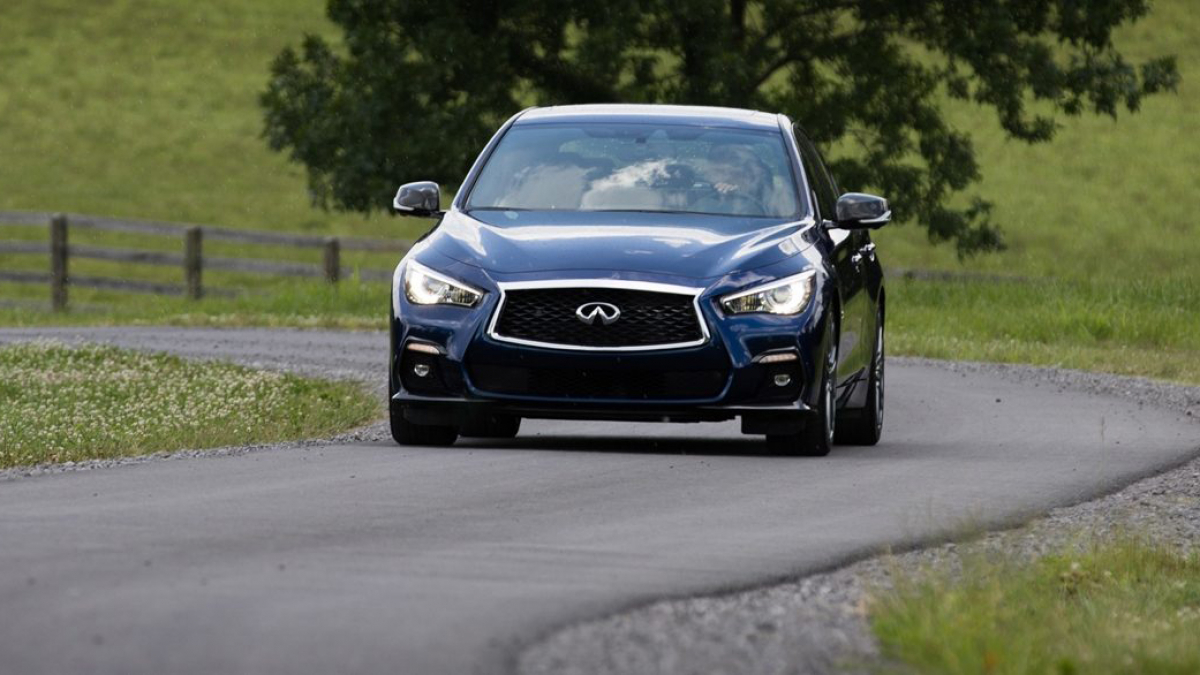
(148, 109)
(60, 404)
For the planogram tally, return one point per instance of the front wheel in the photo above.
(408, 433)
(866, 426)
(816, 439)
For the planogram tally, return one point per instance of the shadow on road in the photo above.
(750, 446)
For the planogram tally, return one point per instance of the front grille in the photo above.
(648, 318)
(598, 384)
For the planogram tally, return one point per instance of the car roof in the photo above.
(704, 116)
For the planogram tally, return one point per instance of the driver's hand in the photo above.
(725, 188)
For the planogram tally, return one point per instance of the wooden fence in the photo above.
(191, 260)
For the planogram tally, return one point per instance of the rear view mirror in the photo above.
(419, 199)
(856, 210)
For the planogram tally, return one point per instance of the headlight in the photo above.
(786, 296)
(423, 286)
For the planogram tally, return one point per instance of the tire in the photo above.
(816, 439)
(866, 427)
(493, 426)
(407, 433)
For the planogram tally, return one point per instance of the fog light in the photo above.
(422, 370)
(783, 380)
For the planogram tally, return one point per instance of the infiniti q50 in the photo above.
(642, 263)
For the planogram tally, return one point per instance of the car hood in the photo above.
(688, 245)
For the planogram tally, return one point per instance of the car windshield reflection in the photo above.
(641, 168)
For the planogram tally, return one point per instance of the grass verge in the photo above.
(1117, 607)
(1145, 328)
(60, 404)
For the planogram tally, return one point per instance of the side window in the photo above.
(818, 176)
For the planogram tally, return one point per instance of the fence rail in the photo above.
(191, 260)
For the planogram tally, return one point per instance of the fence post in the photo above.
(193, 262)
(58, 262)
(333, 262)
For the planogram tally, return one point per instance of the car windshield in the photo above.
(639, 167)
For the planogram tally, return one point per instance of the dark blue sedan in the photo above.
(642, 263)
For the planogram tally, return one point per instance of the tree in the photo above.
(419, 85)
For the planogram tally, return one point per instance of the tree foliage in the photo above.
(417, 86)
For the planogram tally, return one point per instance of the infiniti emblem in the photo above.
(591, 311)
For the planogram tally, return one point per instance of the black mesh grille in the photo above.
(647, 318)
(599, 384)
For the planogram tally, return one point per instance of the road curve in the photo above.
(371, 558)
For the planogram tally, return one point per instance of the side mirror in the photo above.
(856, 210)
(419, 199)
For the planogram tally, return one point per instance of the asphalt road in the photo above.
(371, 558)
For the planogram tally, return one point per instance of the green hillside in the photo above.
(1104, 199)
(149, 108)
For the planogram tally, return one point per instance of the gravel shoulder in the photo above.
(818, 623)
(358, 356)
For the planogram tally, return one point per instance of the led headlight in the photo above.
(423, 286)
(790, 295)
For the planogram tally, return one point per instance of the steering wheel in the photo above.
(734, 198)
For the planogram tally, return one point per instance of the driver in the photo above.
(736, 171)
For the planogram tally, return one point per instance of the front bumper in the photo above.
(471, 374)
(449, 392)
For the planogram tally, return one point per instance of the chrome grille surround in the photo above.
(653, 287)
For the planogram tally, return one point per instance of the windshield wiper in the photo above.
(677, 212)
(664, 211)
